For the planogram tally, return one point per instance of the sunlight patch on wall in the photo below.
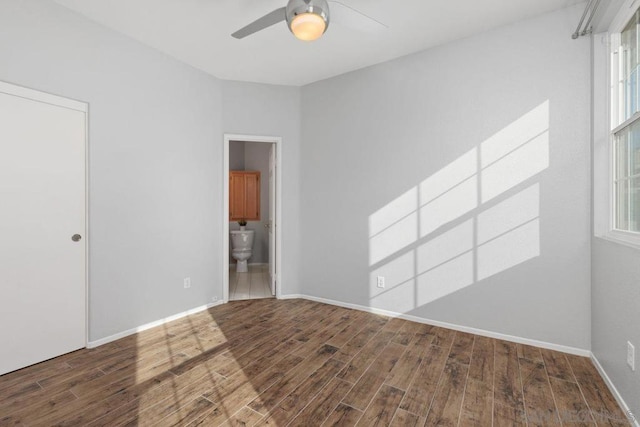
(509, 214)
(453, 204)
(449, 193)
(399, 291)
(445, 263)
(516, 167)
(518, 133)
(445, 247)
(443, 197)
(397, 272)
(516, 153)
(394, 238)
(445, 279)
(393, 227)
(393, 212)
(509, 233)
(453, 174)
(420, 261)
(510, 249)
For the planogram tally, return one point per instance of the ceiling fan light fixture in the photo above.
(308, 26)
(307, 19)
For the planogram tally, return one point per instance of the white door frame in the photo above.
(225, 211)
(72, 104)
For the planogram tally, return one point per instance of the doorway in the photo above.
(250, 163)
(43, 224)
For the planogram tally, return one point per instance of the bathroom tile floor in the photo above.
(251, 285)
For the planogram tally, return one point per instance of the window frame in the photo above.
(615, 125)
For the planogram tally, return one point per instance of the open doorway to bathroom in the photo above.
(251, 247)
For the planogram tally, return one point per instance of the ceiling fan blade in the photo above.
(349, 17)
(259, 24)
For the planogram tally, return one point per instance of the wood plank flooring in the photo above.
(301, 363)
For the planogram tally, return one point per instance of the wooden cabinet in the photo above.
(244, 195)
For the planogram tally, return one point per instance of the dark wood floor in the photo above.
(302, 363)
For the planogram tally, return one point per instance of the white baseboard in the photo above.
(481, 332)
(114, 337)
(614, 391)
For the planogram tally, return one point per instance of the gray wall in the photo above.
(255, 157)
(155, 132)
(461, 174)
(269, 110)
(615, 301)
(236, 156)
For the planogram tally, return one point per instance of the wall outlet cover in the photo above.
(380, 282)
(187, 282)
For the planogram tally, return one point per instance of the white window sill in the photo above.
(631, 240)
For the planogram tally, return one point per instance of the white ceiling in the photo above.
(198, 32)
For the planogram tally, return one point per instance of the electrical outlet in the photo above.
(381, 282)
(631, 356)
(214, 299)
(187, 282)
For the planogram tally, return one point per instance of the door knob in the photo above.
(76, 237)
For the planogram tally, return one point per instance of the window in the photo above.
(627, 178)
(626, 132)
(628, 54)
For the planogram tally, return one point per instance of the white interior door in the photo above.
(272, 218)
(42, 206)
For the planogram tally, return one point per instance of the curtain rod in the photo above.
(593, 7)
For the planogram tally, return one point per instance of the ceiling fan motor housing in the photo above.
(317, 7)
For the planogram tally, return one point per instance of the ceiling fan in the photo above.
(309, 19)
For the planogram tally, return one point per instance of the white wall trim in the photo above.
(47, 98)
(87, 195)
(631, 240)
(614, 391)
(225, 207)
(115, 337)
(481, 332)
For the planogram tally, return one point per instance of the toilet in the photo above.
(241, 244)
